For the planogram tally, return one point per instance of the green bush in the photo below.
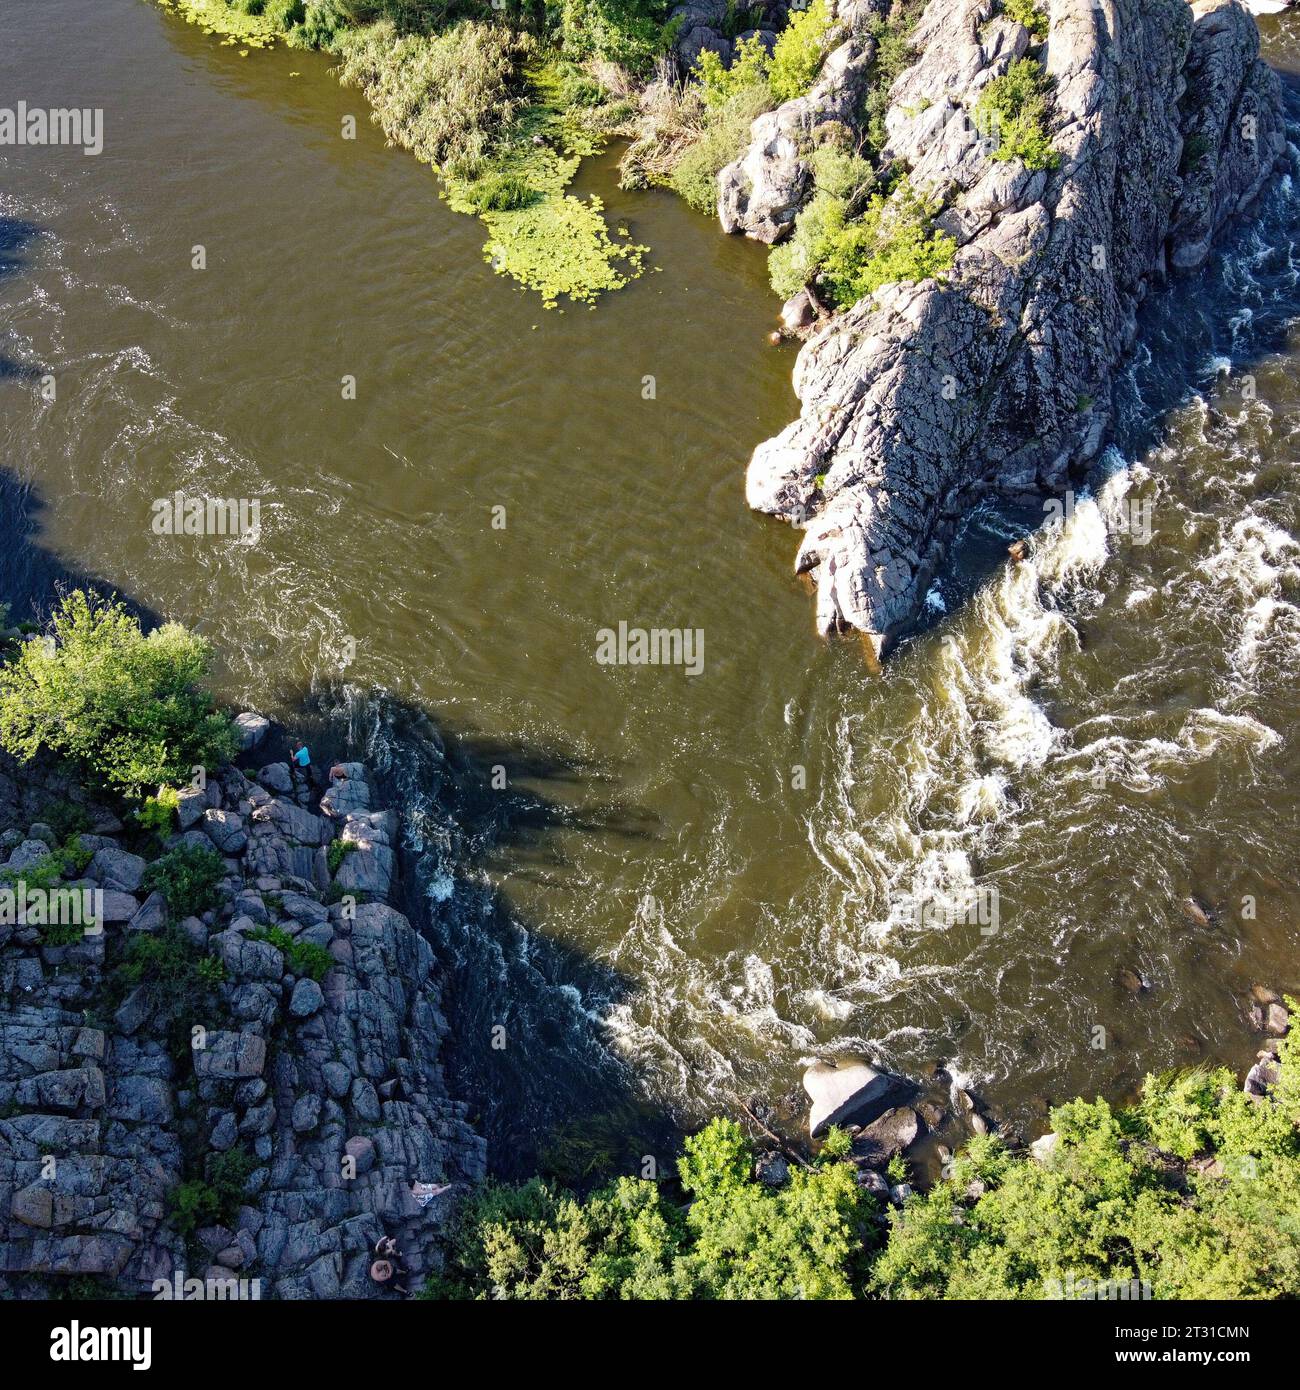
(503, 193)
(214, 1199)
(337, 852)
(178, 982)
(1026, 12)
(724, 138)
(628, 32)
(68, 862)
(158, 813)
(789, 71)
(322, 23)
(1012, 111)
(800, 48)
(65, 818)
(300, 957)
(62, 933)
(187, 877)
(286, 13)
(849, 257)
(749, 69)
(1120, 1201)
(76, 857)
(893, 57)
(129, 710)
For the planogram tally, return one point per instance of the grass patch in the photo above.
(302, 957)
(503, 114)
(507, 142)
(445, 97)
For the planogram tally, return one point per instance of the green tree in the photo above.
(736, 1238)
(129, 710)
(1012, 110)
(1194, 1192)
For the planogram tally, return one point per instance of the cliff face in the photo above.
(333, 1088)
(924, 396)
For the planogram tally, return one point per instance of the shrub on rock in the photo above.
(129, 710)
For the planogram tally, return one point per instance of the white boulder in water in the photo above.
(851, 1092)
(1266, 6)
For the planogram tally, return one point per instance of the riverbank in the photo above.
(916, 170)
(232, 1072)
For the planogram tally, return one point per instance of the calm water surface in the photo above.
(687, 885)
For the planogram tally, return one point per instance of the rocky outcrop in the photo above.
(761, 193)
(317, 1056)
(923, 397)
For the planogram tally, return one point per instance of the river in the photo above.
(669, 889)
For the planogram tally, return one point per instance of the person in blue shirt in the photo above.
(300, 762)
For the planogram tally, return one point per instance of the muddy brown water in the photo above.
(689, 884)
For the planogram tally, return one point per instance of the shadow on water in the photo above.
(32, 576)
(15, 234)
(528, 1047)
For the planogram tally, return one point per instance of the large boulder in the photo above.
(848, 1093)
(117, 868)
(893, 1133)
(27, 853)
(252, 729)
(226, 830)
(227, 1054)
